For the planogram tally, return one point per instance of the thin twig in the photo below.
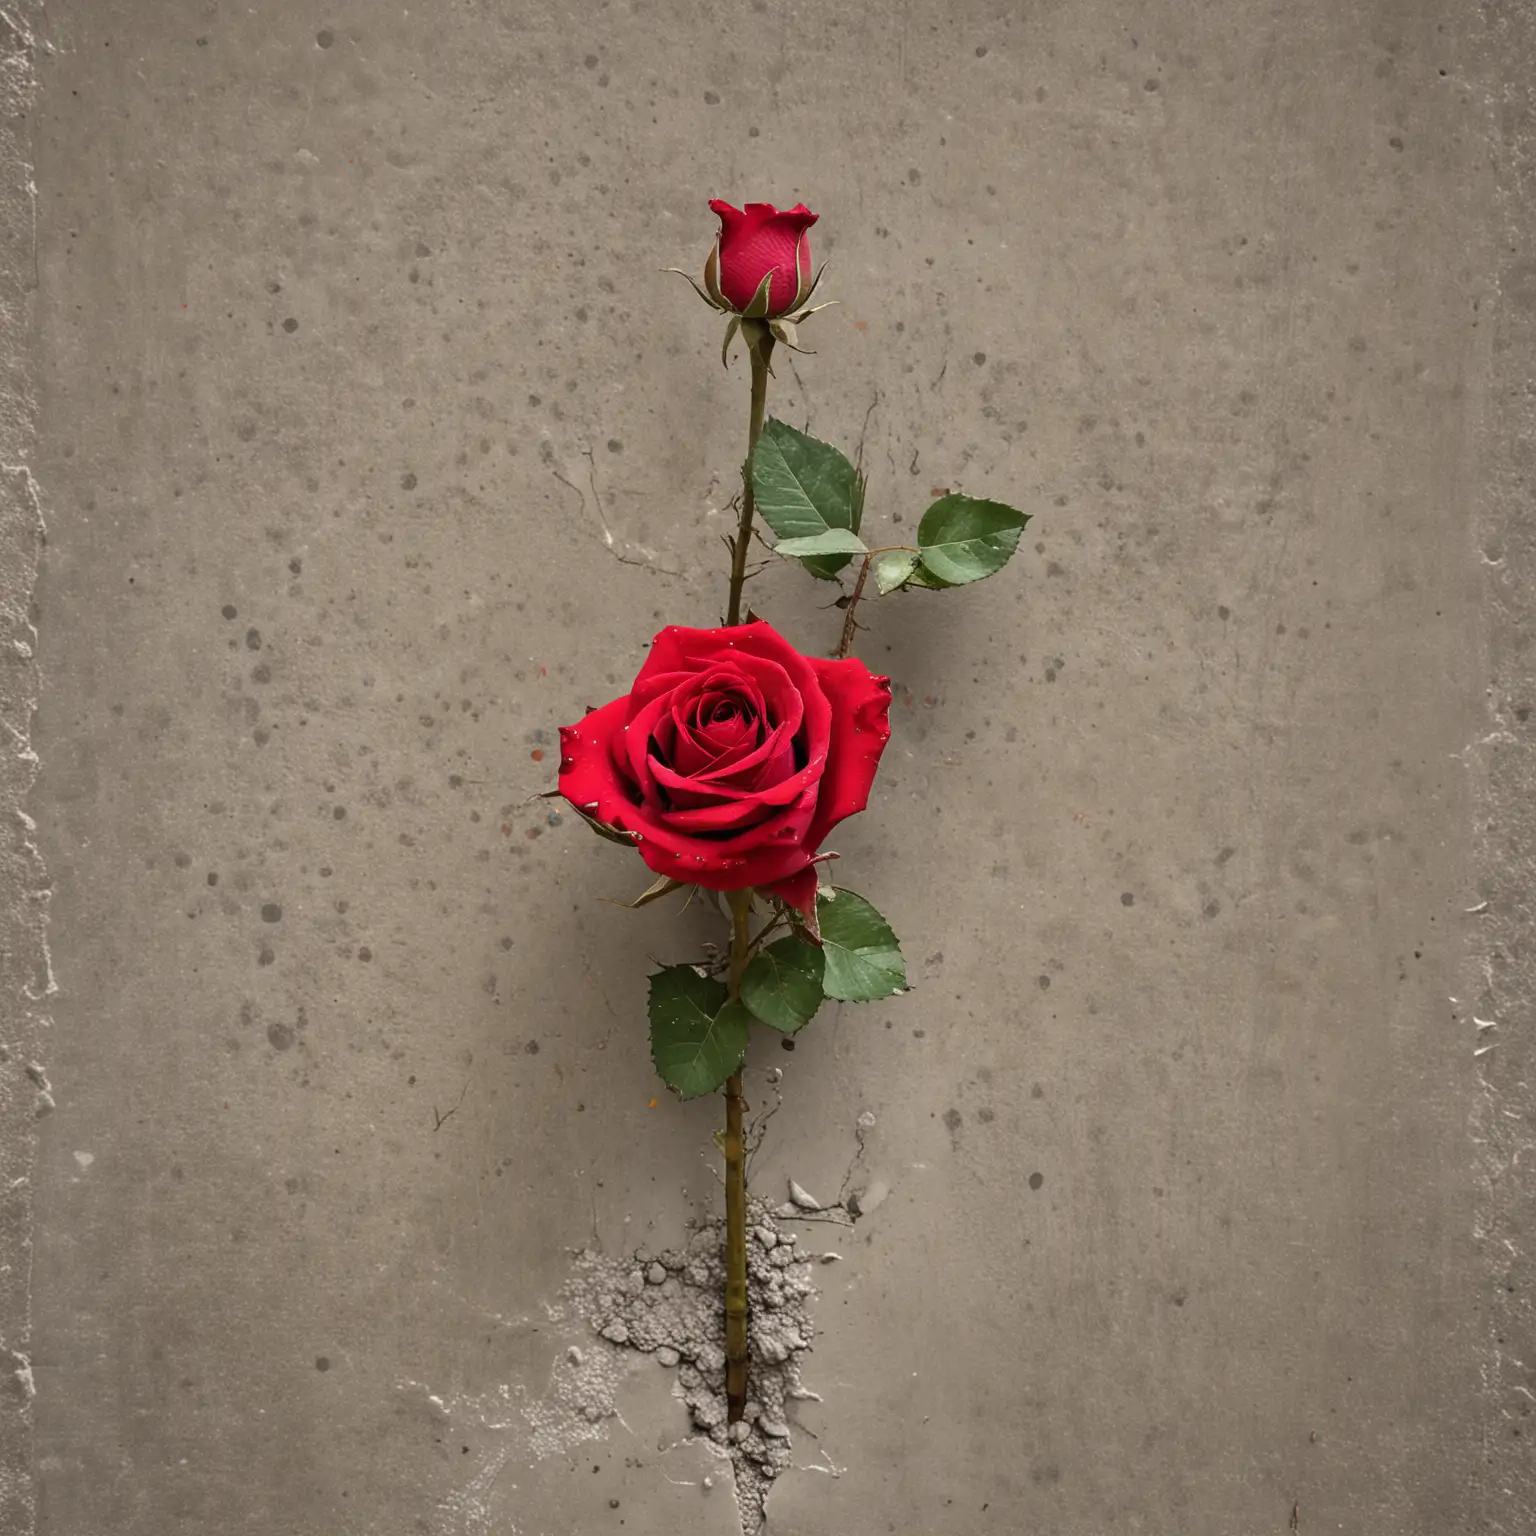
(849, 626)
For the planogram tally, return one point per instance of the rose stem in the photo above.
(760, 354)
(741, 905)
(846, 643)
(734, 1145)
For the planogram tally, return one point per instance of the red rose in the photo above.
(754, 242)
(731, 758)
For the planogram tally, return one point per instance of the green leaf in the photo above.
(697, 1038)
(826, 567)
(894, 568)
(835, 541)
(782, 985)
(862, 958)
(963, 539)
(802, 485)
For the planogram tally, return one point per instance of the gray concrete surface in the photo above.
(342, 345)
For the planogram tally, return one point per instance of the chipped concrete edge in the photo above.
(24, 961)
(1499, 989)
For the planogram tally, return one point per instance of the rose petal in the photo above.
(692, 752)
(590, 777)
(710, 790)
(760, 868)
(860, 702)
(724, 734)
(721, 816)
(774, 844)
(787, 684)
(799, 891)
(632, 748)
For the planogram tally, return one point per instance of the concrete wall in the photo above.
(371, 446)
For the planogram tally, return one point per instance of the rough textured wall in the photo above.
(25, 981)
(372, 446)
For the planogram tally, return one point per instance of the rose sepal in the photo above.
(731, 329)
(719, 304)
(602, 828)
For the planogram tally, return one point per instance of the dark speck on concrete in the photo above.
(1149, 85)
(407, 482)
(1037, 1092)
(213, 877)
(321, 1363)
(266, 957)
(271, 913)
(1127, 899)
(339, 813)
(532, 1047)
(986, 1116)
(1036, 1180)
(1212, 909)
(952, 1119)
(590, 61)
(290, 325)
(229, 610)
(262, 673)
(615, 446)
(978, 358)
(253, 639)
(280, 1036)
(1225, 854)
(1045, 983)
(323, 40)
(711, 99)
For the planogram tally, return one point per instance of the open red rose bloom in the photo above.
(731, 758)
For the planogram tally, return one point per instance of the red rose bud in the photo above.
(759, 245)
(759, 272)
(730, 759)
